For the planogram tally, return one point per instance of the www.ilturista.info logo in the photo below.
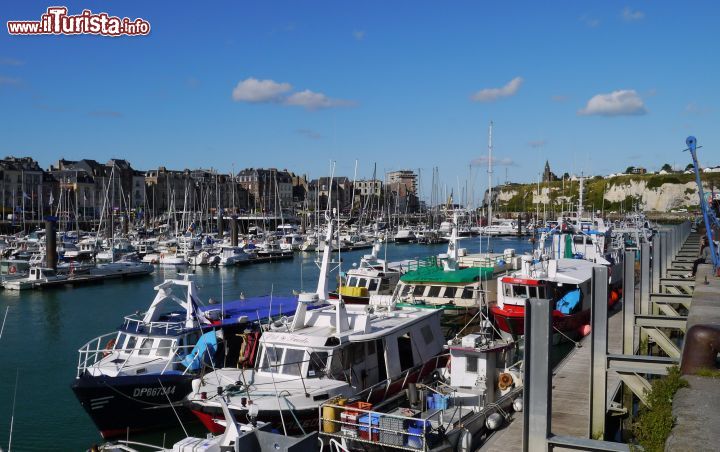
(57, 22)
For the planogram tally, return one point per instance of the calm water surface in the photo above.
(44, 330)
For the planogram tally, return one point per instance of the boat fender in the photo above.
(465, 443)
(108, 347)
(505, 380)
(12, 270)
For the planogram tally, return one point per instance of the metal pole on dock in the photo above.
(645, 279)
(598, 352)
(629, 304)
(50, 243)
(655, 266)
(234, 231)
(537, 375)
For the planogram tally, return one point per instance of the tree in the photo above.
(629, 170)
(690, 167)
(566, 176)
(667, 167)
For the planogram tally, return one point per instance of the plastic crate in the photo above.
(392, 439)
(392, 423)
(359, 405)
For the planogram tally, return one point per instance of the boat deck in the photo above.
(570, 394)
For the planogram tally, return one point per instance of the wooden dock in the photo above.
(570, 394)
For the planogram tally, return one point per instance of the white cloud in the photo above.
(630, 15)
(359, 34)
(483, 161)
(624, 102)
(256, 91)
(493, 94)
(537, 143)
(311, 100)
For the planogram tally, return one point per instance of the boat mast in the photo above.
(490, 149)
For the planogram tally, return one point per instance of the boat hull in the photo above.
(511, 319)
(136, 403)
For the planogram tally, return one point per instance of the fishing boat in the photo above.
(564, 282)
(133, 378)
(501, 228)
(438, 283)
(453, 411)
(336, 350)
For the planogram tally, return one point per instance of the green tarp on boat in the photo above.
(435, 273)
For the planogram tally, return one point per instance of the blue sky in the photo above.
(590, 86)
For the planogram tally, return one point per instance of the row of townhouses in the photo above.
(90, 187)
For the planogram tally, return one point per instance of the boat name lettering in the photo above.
(153, 392)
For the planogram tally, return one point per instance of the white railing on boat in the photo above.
(138, 325)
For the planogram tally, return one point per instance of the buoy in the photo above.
(518, 404)
(585, 330)
(494, 421)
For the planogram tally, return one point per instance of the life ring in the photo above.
(12, 270)
(108, 347)
(505, 380)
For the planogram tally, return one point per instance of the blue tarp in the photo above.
(569, 301)
(255, 308)
(205, 347)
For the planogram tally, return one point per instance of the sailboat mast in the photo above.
(490, 149)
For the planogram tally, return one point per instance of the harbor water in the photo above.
(44, 330)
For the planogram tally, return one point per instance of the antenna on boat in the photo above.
(2, 328)
(12, 417)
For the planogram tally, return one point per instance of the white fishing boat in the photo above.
(501, 228)
(374, 276)
(452, 412)
(333, 351)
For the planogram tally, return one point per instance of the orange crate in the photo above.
(359, 405)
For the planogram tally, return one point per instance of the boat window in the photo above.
(471, 364)
(164, 347)
(434, 291)
(405, 351)
(373, 284)
(146, 346)
(384, 284)
(405, 290)
(293, 361)
(449, 292)
(427, 334)
(358, 353)
(318, 364)
(418, 291)
(351, 281)
(362, 282)
(120, 341)
(131, 343)
(370, 348)
(537, 292)
(467, 293)
(271, 359)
